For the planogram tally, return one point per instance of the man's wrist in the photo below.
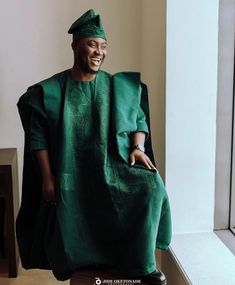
(139, 147)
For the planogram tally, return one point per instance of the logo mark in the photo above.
(97, 281)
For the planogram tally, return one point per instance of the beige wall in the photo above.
(35, 45)
(153, 62)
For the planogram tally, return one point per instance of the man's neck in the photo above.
(78, 74)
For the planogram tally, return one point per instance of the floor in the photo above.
(29, 277)
(45, 277)
(101, 277)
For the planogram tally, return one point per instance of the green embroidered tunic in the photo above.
(107, 212)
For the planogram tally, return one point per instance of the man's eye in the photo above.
(92, 45)
(103, 47)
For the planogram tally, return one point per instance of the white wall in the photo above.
(192, 36)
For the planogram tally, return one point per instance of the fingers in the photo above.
(143, 158)
(49, 192)
(151, 164)
(132, 160)
(52, 202)
(49, 195)
(50, 199)
(148, 163)
(145, 162)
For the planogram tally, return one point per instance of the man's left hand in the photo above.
(137, 155)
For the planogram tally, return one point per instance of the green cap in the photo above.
(88, 25)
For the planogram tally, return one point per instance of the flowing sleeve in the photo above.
(141, 123)
(39, 130)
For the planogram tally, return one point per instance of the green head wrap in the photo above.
(87, 26)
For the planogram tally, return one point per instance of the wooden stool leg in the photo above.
(10, 229)
(2, 227)
(8, 211)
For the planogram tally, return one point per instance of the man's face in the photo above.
(89, 54)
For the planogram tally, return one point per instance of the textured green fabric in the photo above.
(107, 212)
(88, 25)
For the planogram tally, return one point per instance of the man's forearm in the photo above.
(43, 159)
(138, 138)
(48, 181)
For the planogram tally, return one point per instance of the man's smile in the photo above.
(96, 60)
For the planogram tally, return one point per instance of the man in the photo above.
(91, 193)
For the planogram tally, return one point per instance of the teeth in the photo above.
(96, 59)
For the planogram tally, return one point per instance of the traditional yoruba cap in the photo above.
(88, 25)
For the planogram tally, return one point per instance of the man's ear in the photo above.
(75, 45)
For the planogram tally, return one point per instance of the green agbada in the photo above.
(107, 212)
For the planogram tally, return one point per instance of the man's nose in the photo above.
(98, 50)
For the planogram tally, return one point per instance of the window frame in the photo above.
(232, 193)
(224, 217)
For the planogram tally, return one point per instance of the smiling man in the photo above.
(92, 195)
(89, 54)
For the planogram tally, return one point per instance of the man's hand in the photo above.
(137, 155)
(48, 189)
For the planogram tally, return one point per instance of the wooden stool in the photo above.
(9, 197)
(101, 277)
